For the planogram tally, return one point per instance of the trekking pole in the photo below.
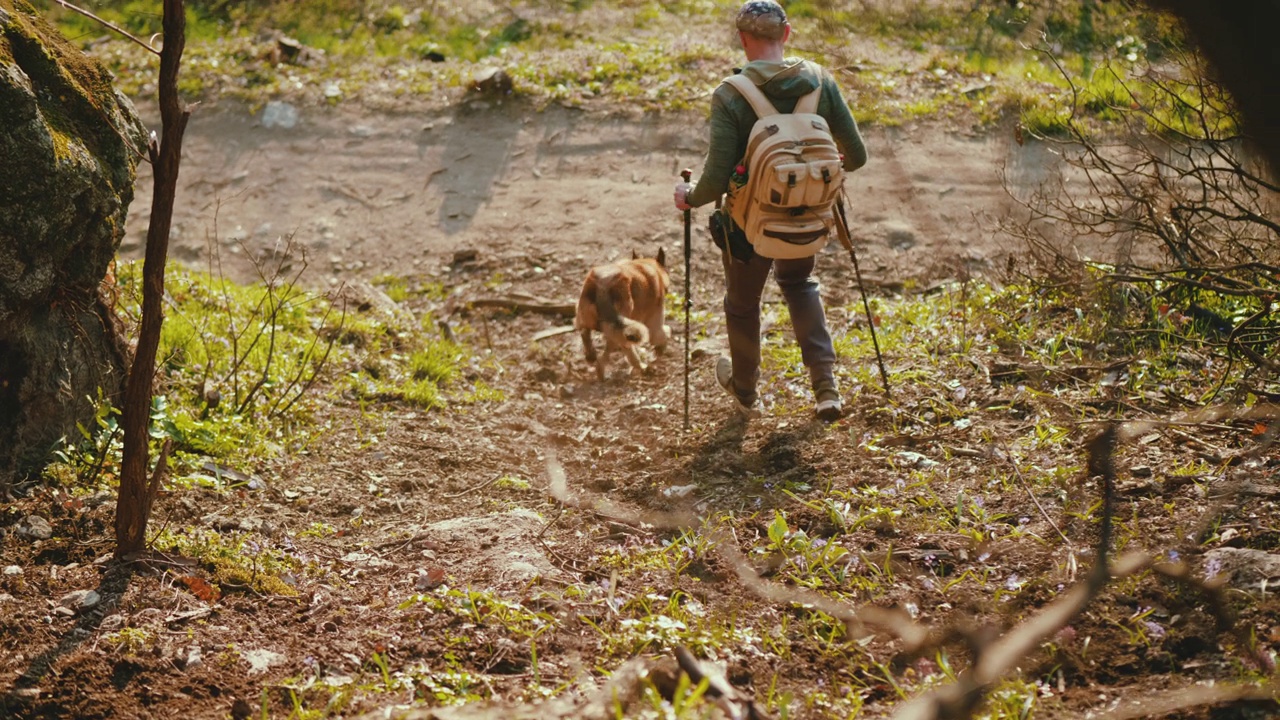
(843, 232)
(688, 303)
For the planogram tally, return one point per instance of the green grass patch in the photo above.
(658, 56)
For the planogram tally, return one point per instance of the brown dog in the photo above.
(623, 301)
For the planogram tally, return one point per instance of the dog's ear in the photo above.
(662, 257)
(635, 255)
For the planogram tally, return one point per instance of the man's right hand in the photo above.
(682, 195)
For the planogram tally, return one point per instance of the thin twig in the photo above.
(481, 486)
(1027, 486)
(108, 24)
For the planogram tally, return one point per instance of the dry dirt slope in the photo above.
(373, 194)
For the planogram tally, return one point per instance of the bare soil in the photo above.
(539, 196)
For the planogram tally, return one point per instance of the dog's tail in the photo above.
(615, 324)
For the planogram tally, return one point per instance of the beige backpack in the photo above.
(794, 175)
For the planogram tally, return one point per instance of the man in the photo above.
(764, 30)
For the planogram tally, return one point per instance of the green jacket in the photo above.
(784, 83)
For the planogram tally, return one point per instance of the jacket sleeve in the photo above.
(843, 127)
(720, 161)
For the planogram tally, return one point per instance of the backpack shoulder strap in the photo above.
(747, 89)
(809, 103)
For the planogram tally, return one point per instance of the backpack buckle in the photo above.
(791, 180)
(826, 175)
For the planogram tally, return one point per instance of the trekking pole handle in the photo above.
(687, 174)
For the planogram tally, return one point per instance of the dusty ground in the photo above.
(539, 196)
(401, 193)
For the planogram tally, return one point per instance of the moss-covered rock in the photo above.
(69, 146)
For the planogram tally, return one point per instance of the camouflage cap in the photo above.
(762, 18)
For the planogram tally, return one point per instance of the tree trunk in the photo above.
(137, 491)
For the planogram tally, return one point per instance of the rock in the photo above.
(279, 114)
(6, 597)
(34, 527)
(64, 612)
(899, 235)
(193, 658)
(916, 460)
(366, 560)
(294, 52)
(80, 600)
(111, 623)
(69, 151)
(493, 549)
(261, 660)
(492, 81)
(13, 570)
(25, 694)
(679, 491)
(1243, 568)
(365, 297)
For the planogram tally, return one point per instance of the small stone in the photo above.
(34, 527)
(679, 491)
(1140, 471)
(193, 659)
(261, 660)
(64, 612)
(13, 570)
(111, 623)
(80, 600)
(6, 597)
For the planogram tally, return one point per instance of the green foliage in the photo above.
(234, 562)
(656, 55)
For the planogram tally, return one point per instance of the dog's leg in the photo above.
(603, 359)
(659, 334)
(637, 365)
(588, 349)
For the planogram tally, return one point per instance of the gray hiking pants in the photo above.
(744, 285)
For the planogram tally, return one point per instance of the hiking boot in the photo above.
(724, 376)
(826, 401)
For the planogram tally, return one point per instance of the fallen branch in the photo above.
(856, 619)
(533, 305)
(561, 330)
(625, 687)
(1168, 702)
(558, 486)
(959, 699)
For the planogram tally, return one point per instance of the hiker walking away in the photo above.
(785, 81)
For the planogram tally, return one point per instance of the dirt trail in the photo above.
(390, 501)
(373, 194)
